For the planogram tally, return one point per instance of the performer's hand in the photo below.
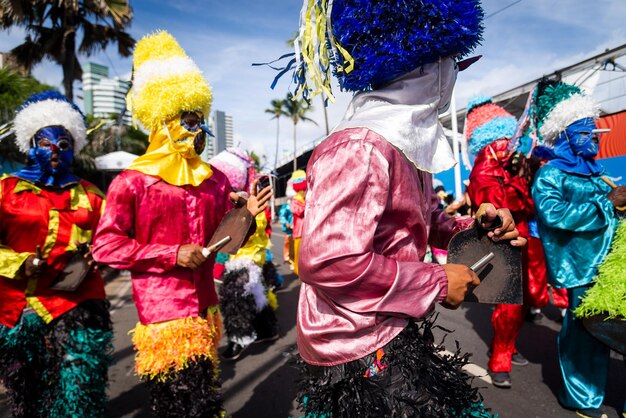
(91, 263)
(461, 279)
(617, 196)
(500, 223)
(33, 266)
(190, 256)
(258, 200)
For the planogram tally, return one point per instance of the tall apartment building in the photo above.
(221, 125)
(102, 95)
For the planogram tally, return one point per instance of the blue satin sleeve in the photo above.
(591, 212)
(576, 223)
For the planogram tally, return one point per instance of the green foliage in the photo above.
(608, 294)
(14, 90)
(256, 159)
(277, 108)
(296, 109)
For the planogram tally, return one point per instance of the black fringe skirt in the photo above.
(415, 380)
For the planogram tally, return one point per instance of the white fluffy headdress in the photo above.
(49, 108)
(558, 105)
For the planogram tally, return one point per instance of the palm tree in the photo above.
(53, 28)
(14, 89)
(277, 110)
(296, 110)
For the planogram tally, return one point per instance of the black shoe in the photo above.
(233, 351)
(518, 359)
(535, 318)
(501, 379)
(592, 413)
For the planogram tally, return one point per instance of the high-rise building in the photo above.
(104, 96)
(221, 126)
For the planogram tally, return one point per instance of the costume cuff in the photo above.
(442, 281)
(169, 258)
(11, 262)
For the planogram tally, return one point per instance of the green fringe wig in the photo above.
(608, 295)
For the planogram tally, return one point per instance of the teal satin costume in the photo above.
(576, 222)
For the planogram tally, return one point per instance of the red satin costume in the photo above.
(31, 216)
(491, 183)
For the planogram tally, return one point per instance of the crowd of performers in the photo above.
(358, 225)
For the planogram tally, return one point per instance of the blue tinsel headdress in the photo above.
(368, 43)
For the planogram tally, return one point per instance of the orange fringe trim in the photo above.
(169, 346)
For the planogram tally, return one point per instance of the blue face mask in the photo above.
(50, 158)
(582, 139)
(575, 149)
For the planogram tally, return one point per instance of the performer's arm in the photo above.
(338, 253)
(10, 261)
(443, 226)
(556, 212)
(114, 243)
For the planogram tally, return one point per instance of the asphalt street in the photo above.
(261, 383)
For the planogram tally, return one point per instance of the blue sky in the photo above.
(521, 43)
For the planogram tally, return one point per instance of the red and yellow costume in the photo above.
(55, 345)
(54, 220)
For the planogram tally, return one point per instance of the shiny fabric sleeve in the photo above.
(114, 243)
(512, 194)
(297, 207)
(348, 198)
(555, 211)
(443, 226)
(11, 262)
(490, 183)
(285, 215)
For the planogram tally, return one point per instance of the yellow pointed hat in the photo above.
(166, 81)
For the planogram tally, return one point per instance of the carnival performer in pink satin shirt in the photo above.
(161, 212)
(364, 325)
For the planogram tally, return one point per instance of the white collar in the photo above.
(406, 113)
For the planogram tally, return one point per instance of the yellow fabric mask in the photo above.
(171, 156)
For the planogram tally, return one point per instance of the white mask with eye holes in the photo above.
(406, 113)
